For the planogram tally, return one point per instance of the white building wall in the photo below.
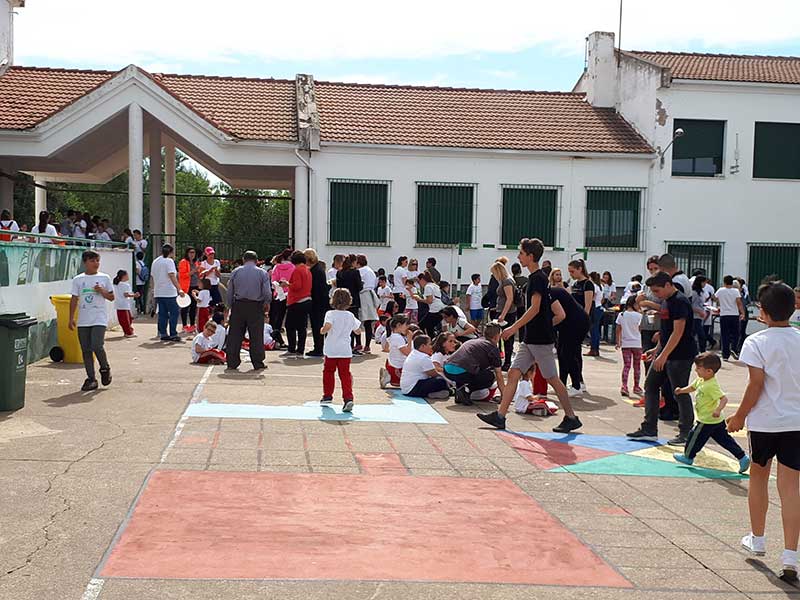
(731, 208)
(489, 171)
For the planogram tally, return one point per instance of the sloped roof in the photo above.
(727, 67)
(264, 109)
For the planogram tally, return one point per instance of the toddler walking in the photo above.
(339, 324)
(122, 301)
(629, 340)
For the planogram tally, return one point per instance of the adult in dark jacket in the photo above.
(571, 332)
(349, 278)
(320, 301)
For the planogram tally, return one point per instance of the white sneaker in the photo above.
(440, 395)
(789, 570)
(384, 378)
(573, 393)
(583, 388)
(754, 545)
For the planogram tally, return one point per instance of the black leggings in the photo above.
(189, 311)
(431, 323)
(297, 325)
(570, 358)
(277, 311)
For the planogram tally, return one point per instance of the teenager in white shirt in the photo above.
(629, 340)
(204, 350)
(432, 296)
(165, 289)
(90, 290)
(44, 227)
(474, 296)
(122, 301)
(339, 324)
(420, 378)
(731, 311)
(399, 348)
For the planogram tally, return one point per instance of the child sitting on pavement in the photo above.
(709, 400)
(420, 378)
(203, 350)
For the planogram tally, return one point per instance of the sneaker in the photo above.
(744, 463)
(568, 424)
(683, 459)
(583, 388)
(789, 570)
(384, 378)
(463, 396)
(494, 419)
(573, 393)
(326, 400)
(105, 376)
(643, 436)
(300, 355)
(678, 440)
(754, 545)
(314, 354)
(624, 392)
(735, 355)
(357, 352)
(348, 406)
(639, 403)
(440, 395)
(287, 354)
(89, 385)
(174, 338)
(259, 367)
(637, 391)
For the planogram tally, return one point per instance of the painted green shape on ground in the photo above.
(639, 466)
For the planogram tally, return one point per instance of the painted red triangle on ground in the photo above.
(547, 454)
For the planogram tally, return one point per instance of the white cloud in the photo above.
(501, 74)
(118, 32)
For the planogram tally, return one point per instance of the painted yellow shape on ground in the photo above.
(706, 458)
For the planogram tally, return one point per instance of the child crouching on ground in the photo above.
(399, 347)
(338, 325)
(771, 410)
(709, 400)
(204, 351)
(419, 378)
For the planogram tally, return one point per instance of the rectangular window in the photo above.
(776, 151)
(612, 218)
(445, 213)
(698, 255)
(358, 211)
(698, 152)
(529, 211)
(773, 261)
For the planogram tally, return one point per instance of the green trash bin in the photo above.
(13, 359)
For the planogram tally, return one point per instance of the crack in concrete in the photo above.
(66, 505)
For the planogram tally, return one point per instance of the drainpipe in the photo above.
(307, 163)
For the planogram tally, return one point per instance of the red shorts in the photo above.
(394, 374)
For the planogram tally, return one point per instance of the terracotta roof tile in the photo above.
(727, 67)
(470, 118)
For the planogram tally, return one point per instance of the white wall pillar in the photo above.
(39, 200)
(169, 181)
(7, 193)
(156, 207)
(135, 176)
(300, 207)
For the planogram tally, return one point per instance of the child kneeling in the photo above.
(420, 378)
(400, 347)
(204, 350)
(338, 325)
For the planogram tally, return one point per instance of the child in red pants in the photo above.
(204, 350)
(203, 299)
(400, 344)
(337, 327)
(122, 301)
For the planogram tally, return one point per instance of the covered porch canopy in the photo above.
(90, 126)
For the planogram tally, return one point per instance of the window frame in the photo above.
(717, 281)
(721, 173)
(388, 225)
(473, 208)
(533, 186)
(640, 231)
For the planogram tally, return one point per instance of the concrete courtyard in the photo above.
(183, 481)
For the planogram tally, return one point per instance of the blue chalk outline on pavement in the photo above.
(403, 409)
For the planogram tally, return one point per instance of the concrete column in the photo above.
(40, 200)
(169, 184)
(7, 193)
(300, 208)
(135, 175)
(156, 206)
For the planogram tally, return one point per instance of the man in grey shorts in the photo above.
(538, 345)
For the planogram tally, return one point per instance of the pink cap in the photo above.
(210, 250)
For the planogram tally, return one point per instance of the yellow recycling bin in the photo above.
(69, 348)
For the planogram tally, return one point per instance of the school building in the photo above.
(457, 174)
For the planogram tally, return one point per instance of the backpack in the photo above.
(144, 273)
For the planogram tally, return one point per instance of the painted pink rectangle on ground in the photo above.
(381, 463)
(220, 525)
(547, 454)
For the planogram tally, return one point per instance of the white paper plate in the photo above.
(184, 301)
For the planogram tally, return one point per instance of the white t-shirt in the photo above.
(206, 343)
(607, 291)
(399, 286)
(728, 306)
(103, 236)
(380, 334)
(203, 299)
(139, 245)
(385, 295)
(212, 277)
(219, 337)
(458, 328)
(331, 275)
(414, 369)
(598, 295)
(48, 230)
(280, 293)
(521, 400)
(159, 271)
(397, 358)
(79, 229)
(460, 312)
(91, 305)
(268, 334)
(411, 302)
(431, 289)
(630, 320)
(475, 293)
(337, 340)
(438, 358)
(9, 225)
(776, 351)
(368, 277)
(122, 302)
(794, 320)
(139, 280)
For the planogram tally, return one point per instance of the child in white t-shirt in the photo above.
(474, 296)
(269, 343)
(420, 378)
(203, 299)
(380, 333)
(629, 340)
(203, 348)
(412, 306)
(122, 301)
(385, 294)
(444, 345)
(90, 290)
(222, 331)
(339, 324)
(524, 398)
(770, 408)
(399, 347)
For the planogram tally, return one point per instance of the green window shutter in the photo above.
(358, 211)
(444, 213)
(529, 212)
(697, 256)
(699, 151)
(612, 218)
(776, 151)
(773, 261)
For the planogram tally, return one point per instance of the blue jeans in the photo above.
(700, 334)
(167, 311)
(597, 318)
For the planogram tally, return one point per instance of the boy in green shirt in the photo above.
(709, 402)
